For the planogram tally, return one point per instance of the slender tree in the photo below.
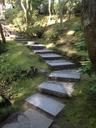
(2, 34)
(49, 9)
(89, 22)
(61, 11)
(27, 8)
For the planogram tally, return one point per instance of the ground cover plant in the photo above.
(15, 86)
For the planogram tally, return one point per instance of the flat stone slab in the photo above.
(12, 125)
(36, 46)
(34, 119)
(45, 103)
(29, 43)
(31, 119)
(60, 63)
(70, 75)
(50, 56)
(60, 89)
(43, 51)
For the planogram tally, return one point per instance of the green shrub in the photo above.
(77, 27)
(91, 95)
(53, 33)
(86, 68)
(2, 48)
(7, 76)
(81, 45)
(33, 31)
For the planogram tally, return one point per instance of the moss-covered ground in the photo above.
(18, 55)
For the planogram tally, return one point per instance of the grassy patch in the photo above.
(79, 110)
(19, 55)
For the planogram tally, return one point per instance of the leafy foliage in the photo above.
(33, 31)
(81, 45)
(86, 68)
(53, 33)
(92, 93)
(2, 48)
(7, 76)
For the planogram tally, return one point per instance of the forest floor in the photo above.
(80, 109)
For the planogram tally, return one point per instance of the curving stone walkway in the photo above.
(44, 107)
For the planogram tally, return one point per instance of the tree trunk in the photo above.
(3, 1)
(89, 22)
(2, 34)
(49, 9)
(60, 12)
(27, 8)
(24, 10)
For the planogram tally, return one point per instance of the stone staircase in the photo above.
(47, 104)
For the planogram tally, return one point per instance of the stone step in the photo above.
(43, 51)
(34, 119)
(50, 56)
(60, 89)
(46, 104)
(29, 43)
(31, 119)
(12, 125)
(65, 75)
(37, 46)
(20, 39)
(60, 64)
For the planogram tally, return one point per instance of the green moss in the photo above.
(19, 55)
(79, 112)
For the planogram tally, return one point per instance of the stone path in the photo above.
(31, 119)
(44, 107)
(65, 75)
(50, 56)
(43, 51)
(60, 64)
(60, 89)
(45, 103)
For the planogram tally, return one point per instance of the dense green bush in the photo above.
(53, 33)
(2, 48)
(86, 68)
(81, 45)
(35, 31)
(91, 95)
(7, 76)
